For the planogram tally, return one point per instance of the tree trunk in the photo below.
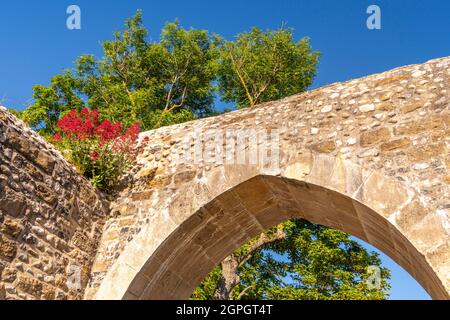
(229, 279)
(230, 265)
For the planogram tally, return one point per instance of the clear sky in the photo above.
(35, 43)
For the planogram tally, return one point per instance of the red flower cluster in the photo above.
(132, 132)
(108, 131)
(84, 125)
(102, 151)
(81, 125)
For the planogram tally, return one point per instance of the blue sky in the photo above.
(35, 43)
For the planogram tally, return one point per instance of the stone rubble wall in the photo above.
(51, 218)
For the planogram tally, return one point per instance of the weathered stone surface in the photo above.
(184, 176)
(411, 107)
(324, 147)
(395, 144)
(48, 293)
(426, 152)
(29, 285)
(8, 248)
(45, 161)
(410, 215)
(11, 227)
(46, 194)
(20, 143)
(367, 107)
(386, 106)
(37, 216)
(82, 241)
(373, 194)
(374, 137)
(419, 126)
(11, 202)
(144, 195)
(447, 179)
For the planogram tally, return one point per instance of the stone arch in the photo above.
(377, 146)
(166, 260)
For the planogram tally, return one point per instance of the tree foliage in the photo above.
(307, 262)
(154, 83)
(173, 80)
(262, 66)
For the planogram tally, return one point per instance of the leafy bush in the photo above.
(101, 151)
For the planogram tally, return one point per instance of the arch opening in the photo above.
(242, 212)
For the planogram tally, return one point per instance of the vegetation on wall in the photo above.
(101, 151)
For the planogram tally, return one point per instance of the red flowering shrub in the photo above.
(101, 151)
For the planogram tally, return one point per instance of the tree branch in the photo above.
(274, 72)
(264, 239)
(241, 78)
(243, 292)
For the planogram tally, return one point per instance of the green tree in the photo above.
(262, 66)
(296, 260)
(52, 102)
(155, 83)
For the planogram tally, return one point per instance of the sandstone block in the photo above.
(11, 227)
(411, 107)
(29, 285)
(382, 194)
(143, 195)
(8, 248)
(414, 127)
(324, 147)
(46, 193)
(375, 136)
(410, 215)
(11, 202)
(9, 275)
(395, 144)
(48, 293)
(184, 177)
(426, 152)
(81, 241)
(45, 161)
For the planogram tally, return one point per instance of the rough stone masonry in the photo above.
(50, 218)
(367, 156)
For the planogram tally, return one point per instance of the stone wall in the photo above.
(50, 218)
